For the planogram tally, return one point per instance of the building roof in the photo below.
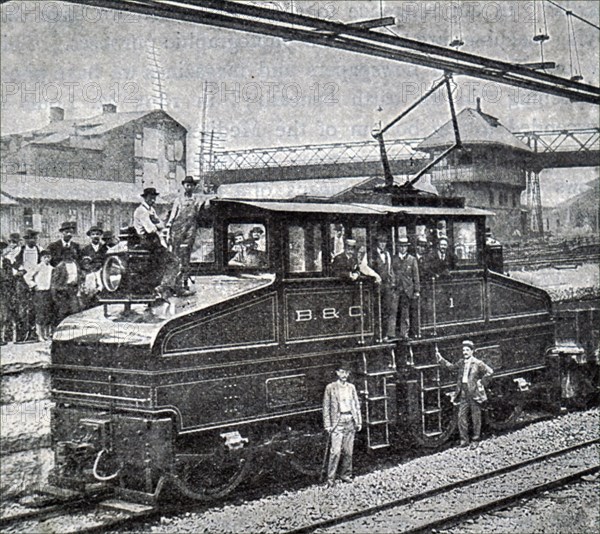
(476, 128)
(60, 131)
(29, 187)
(5, 200)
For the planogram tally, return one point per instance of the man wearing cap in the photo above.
(149, 226)
(382, 265)
(13, 247)
(349, 266)
(57, 248)
(109, 239)
(342, 419)
(473, 376)
(95, 250)
(406, 285)
(26, 261)
(439, 262)
(183, 223)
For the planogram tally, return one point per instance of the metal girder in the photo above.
(290, 26)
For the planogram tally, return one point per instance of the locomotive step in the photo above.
(387, 372)
(427, 366)
(432, 434)
(433, 410)
(379, 422)
(381, 397)
(380, 446)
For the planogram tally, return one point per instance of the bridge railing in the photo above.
(574, 140)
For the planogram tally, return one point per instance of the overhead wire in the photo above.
(573, 14)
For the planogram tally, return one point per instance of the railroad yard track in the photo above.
(447, 505)
(438, 507)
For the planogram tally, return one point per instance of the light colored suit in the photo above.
(342, 426)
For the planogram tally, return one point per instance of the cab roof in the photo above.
(355, 208)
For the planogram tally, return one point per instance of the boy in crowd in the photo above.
(39, 280)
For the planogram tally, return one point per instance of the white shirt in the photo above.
(345, 397)
(39, 277)
(30, 258)
(146, 220)
(465, 377)
(71, 267)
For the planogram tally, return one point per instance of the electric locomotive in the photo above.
(198, 392)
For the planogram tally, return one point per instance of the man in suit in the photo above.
(348, 266)
(64, 285)
(57, 248)
(25, 261)
(382, 265)
(95, 251)
(439, 262)
(473, 375)
(406, 285)
(342, 419)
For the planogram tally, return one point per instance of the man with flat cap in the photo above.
(183, 224)
(407, 285)
(95, 250)
(342, 419)
(57, 248)
(473, 375)
(149, 227)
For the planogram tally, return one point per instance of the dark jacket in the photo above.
(406, 275)
(385, 270)
(60, 278)
(478, 378)
(19, 257)
(57, 250)
(331, 406)
(343, 266)
(437, 266)
(97, 257)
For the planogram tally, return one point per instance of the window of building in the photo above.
(27, 218)
(247, 245)
(491, 197)
(465, 243)
(305, 248)
(203, 249)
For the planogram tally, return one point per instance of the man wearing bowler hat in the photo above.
(183, 223)
(149, 227)
(342, 419)
(57, 248)
(473, 375)
(406, 285)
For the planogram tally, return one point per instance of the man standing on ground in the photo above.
(470, 393)
(57, 248)
(342, 419)
(406, 285)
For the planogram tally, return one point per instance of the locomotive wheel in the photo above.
(449, 423)
(204, 477)
(503, 414)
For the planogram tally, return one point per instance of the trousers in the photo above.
(342, 447)
(400, 312)
(466, 405)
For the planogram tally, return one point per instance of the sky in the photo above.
(263, 91)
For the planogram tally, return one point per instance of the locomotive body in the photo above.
(198, 391)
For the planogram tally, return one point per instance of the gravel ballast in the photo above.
(294, 509)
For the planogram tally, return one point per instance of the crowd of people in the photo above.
(247, 251)
(40, 287)
(399, 276)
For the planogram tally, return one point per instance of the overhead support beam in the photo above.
(540, 66)
(294, 27)
(374, 23)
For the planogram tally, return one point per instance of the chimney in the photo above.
(57, 114)
(108, 108)
(479, 104)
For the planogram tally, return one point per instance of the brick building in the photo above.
(88, 170)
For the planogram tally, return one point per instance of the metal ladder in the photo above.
(378, 368)
(431, 399)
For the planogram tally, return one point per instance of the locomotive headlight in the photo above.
(112, 273)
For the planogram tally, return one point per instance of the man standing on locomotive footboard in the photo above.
(342, 419)
(470, 393)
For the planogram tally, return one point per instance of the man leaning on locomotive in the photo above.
(472, 377)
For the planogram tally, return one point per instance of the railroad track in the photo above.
(449, 504)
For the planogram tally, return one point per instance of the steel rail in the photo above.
(366, 512)
(288, 26)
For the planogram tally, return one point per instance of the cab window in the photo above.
(305, 248)
(338, 233)
(203, 249)
(247, 246)
(465, 243)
